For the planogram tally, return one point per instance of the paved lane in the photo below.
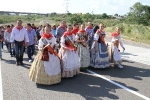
(1, 88)
(85, 86)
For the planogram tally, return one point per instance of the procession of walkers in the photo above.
(63, 51)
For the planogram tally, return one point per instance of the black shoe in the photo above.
(17, 63)
(21, 63)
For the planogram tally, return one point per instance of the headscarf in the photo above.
(67, 33)
(19, 28)
(82, 31)
(115, 34)
(47, 36)
(75, 30)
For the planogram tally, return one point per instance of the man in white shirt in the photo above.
(20, 38)
(7, 35)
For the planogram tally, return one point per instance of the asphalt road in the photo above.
(85, 86)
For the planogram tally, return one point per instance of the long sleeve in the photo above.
(62, 41)
(87, 31)
(41, 32)
(12, 37)
(58, 33)
(73, 37)
(54, 40)
(120, 41)
(96, 36)
(5, 35)
(26, 37)
(34, 33)
(40, 45)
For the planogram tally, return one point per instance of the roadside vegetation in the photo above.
(135, 25)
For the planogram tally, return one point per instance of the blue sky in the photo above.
(110, 7)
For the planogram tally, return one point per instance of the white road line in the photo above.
(1, 89)
(119, 85)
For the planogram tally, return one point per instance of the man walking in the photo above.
(89, 30)
(60, 31)
(32, 40)
(7, 35)
(19, 37)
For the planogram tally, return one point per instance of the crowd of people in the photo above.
(63, 50)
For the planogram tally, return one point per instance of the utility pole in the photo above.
(66, 4)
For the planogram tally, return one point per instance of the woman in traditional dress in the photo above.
(99, 51)
(69, 55)
(45, 68)
(82, 48)
(114, 50)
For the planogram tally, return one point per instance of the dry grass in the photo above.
(138, 33)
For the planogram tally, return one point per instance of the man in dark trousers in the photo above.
(32, 41)
(19, 38)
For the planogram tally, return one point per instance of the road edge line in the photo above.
(119, 85)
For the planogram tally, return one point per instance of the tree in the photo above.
(69, 13)
(104, 15)
(147, 14)
(88, 17)
(139, 14)
(75, 19)
(116, 15)
(53, 14)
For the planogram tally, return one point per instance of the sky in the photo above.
(110, 7)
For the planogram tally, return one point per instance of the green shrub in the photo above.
(128, 30)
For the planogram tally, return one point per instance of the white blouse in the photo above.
(119, 39)
(7, 36)
(96, 36)
(52, 41)
(70, 38)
